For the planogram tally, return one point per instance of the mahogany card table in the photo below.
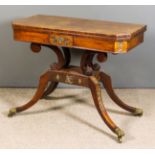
(95, 38)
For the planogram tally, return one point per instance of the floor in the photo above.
(68, 119)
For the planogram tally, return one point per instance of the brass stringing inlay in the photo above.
(69, 79)
(57, 77)
(79, 81)
(99, 95)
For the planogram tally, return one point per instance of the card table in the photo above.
(95, 38)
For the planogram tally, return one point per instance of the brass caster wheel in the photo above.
(12, 112)
(120, 133)
(138, 112)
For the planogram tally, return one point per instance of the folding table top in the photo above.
(98, 35)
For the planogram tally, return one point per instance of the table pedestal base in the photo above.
(87, 75)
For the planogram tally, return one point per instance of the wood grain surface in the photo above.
(95, 35)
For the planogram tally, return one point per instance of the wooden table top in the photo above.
(80, 33)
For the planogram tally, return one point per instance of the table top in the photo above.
(106, 32)
(83, 26)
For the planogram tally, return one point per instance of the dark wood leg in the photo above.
(63, 61)
(50, 89)
(106, 80)
(96, 93)
(41, 88)
(67, 59)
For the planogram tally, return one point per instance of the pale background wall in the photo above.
(19, 67)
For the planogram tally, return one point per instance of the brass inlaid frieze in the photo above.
(61, 40)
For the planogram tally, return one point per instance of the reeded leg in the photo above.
(96, 93)
(50, 89)
(42, 85)
(106, 80)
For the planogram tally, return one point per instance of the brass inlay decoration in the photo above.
(69, 79)
(57, 77)
(97, 75)
(79, 81)
(121, 46)
(98, 91)
(61, 40)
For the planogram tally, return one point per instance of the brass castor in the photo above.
(138, 112)
(12, 112)
(120, 133)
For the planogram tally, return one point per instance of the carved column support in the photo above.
(87, 65)
(63, 60)
(67, 56)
